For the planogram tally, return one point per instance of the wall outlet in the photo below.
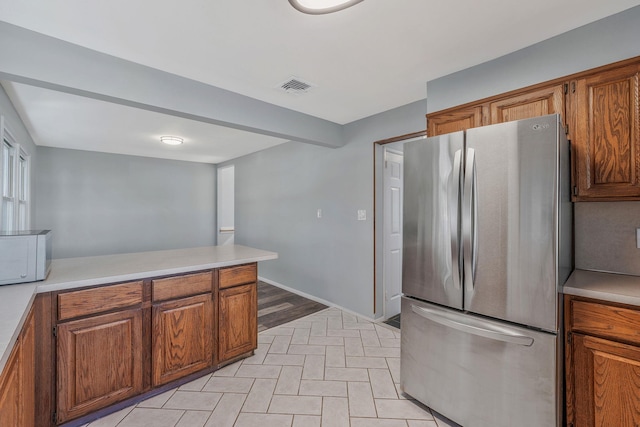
(319, 213)
(362, 215)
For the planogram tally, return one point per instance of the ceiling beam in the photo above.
(35, 59)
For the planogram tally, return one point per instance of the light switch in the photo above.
(362, 215)
(638, 238)
(319, 213)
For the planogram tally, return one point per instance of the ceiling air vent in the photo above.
(295, 85)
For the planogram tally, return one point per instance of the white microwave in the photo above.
(25, 256)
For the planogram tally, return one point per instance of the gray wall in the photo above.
(608, 40)
(99, 203)
(20, 133)
(279, 190)
(604, 231)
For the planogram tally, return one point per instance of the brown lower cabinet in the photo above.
(237, 327)
(182, 338)
(99, 346)
(99, 362)
(237, 299)
(119, 341)
(603, 363)
(17, 382)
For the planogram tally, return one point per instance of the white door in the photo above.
(392, 232)
(226, 201)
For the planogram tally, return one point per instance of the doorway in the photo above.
(392, 229)
(226, 205)
(388, 178)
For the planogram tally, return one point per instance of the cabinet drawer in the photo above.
(98, 300)
(237, 275)
(606, 321)
(181, 286)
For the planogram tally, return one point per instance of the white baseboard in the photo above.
(316, 299)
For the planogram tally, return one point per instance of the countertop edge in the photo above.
(94, 281)
(602, 295)
(16, 300)
(604, 286)
(6, 346)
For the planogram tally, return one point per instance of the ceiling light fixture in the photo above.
(171, 140)
(319, 7)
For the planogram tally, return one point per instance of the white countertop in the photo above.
(620, 288)
(69, 273)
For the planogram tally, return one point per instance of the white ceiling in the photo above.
(56, 119)
(364, 60)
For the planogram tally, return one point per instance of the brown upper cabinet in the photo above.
(534, 103)
(523, 104)
(456, 120)
(606, 134)
(601, 112)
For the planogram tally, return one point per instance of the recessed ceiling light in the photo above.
(171, 140)
(318, 7)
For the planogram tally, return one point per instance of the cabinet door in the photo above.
(606, 383)
(17, 382)
(99, 362)
(10, 390)
(536, 103)
(453, 121)
(28, 341)
(182, 338)
(606, 138)
(238, 321)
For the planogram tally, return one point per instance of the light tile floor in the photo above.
(327, 369)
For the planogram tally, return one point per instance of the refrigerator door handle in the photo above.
(454, 203)
(470, 217)
(473, 326)
(474, 254)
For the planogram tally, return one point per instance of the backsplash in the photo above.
(605, 236)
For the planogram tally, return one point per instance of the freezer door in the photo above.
(431, 267)
(476, 372)
(510, 221)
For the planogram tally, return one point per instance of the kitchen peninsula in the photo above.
(157, 318)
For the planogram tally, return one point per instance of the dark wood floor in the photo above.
(277, 306)
(393, 321)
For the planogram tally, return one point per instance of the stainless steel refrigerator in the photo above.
(487, 246)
